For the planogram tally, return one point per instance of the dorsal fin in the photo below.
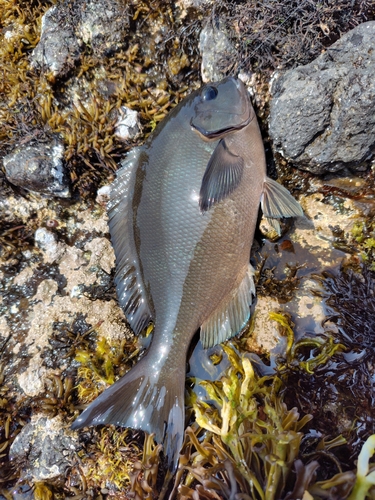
(128, 278)
(231, 316)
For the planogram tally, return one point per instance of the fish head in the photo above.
(221, 107)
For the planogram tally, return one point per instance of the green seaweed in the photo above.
(363, 233)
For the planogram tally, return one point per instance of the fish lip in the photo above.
(218, 133)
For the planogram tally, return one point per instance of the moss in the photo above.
(363, 233)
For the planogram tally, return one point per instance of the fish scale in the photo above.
(182, 217)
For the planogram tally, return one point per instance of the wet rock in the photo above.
(45, 447)
(39, 167)
(103, 25)
(322, 115)
(214, 46)
(58, 48)
(128, 125)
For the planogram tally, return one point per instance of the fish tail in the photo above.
(141, 400)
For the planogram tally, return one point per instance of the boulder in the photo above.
(322, 115)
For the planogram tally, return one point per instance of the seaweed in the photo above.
(347, 382)
(363, 233)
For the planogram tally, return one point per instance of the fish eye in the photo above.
(209, 93)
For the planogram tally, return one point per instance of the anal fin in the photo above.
(232, 314)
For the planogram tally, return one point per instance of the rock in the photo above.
(39, 167)
(322, 115)
(214, 46)
(45, 446)
(103, 25)
(128, 125)
(58, 48)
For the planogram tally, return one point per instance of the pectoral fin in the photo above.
(223, 174)
(277, 202)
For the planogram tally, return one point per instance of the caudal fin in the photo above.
(143, 400)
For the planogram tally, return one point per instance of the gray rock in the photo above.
(39, 168)
(103, 25)
(58, 48)
(214, 46)
(322, 115)
(45, 447)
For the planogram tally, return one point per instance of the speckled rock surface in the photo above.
(54, 283)
(322, 114)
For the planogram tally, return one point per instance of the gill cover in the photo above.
(221, 108)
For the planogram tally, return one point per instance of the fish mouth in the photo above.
(214, 134)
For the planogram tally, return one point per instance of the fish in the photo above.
(182, 214)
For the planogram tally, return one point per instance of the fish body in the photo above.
(183, 212)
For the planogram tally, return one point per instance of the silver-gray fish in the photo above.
(182, 216)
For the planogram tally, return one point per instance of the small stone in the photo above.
(128, 125)
(39, 168)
